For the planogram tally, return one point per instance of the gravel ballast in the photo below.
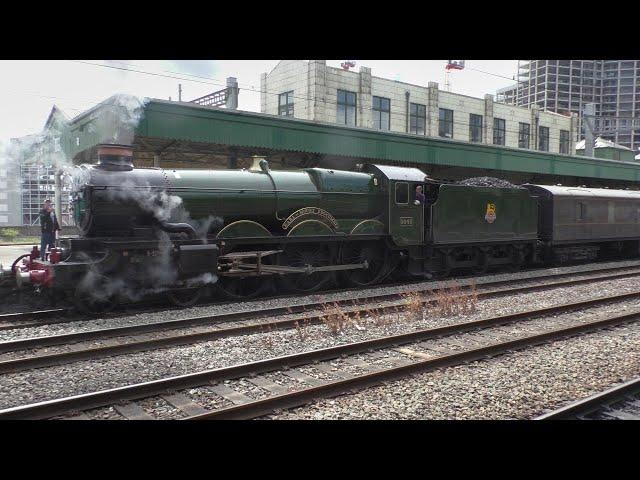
(82, 377)
(520, 385)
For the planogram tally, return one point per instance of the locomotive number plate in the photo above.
(406, 221)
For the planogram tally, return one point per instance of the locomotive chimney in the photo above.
(115, 157)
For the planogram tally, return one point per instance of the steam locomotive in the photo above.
(249, 231)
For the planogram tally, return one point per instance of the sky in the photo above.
(29, 89)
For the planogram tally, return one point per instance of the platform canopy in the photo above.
(187, 135)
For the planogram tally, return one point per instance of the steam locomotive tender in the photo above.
(250, 231)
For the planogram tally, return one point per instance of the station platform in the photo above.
(9, 253)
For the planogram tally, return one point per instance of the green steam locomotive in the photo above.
(250, 231)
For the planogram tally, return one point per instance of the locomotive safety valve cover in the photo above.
(197, 259)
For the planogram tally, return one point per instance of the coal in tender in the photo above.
(487, 182)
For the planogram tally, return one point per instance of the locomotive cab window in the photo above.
(402, 193)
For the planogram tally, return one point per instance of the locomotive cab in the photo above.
(405, 217)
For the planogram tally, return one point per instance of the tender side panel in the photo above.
(465, 215)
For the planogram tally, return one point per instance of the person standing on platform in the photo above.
(48, 226)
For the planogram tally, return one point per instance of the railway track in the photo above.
(14, 321)
(618, 403)
(20, 320)
(131, 339)
(10, 321)
(325, 372)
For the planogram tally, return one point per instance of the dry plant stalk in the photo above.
(415, 305)
(301, 329)
(451, 301)
(470, 300)
(375, 316)
(335, 318)
(267, 338)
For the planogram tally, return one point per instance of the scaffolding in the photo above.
(38, 185)
(566, 86)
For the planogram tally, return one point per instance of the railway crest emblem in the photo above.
(490, 216)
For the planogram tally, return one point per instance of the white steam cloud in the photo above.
(112, 122)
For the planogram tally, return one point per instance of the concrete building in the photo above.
(314, 91)
(564, 86)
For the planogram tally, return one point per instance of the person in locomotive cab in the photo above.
(420, 198)
(48, 226)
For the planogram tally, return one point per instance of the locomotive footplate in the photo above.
(236, 265)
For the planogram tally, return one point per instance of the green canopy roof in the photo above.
(120, 119)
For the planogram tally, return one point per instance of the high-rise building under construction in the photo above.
(564, 86)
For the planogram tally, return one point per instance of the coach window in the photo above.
(402, 193)
(582, 211)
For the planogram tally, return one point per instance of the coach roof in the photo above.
(589, 192)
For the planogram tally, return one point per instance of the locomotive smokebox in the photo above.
(115, 157)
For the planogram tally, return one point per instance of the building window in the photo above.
(285, 104)
(524, 132)
(346, 113)
(381, 113)
(498, 131)
(417, 119)
(564, 141)
(543, 139)
(475, 128)
(445, 124)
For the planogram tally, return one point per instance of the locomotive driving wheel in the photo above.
(185, 297)
(94, 296)
(303, 256)
(373, 254)
(237, 288)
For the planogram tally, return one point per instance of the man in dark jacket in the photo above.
(49, 226)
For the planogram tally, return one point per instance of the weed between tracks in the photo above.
(418, 307)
